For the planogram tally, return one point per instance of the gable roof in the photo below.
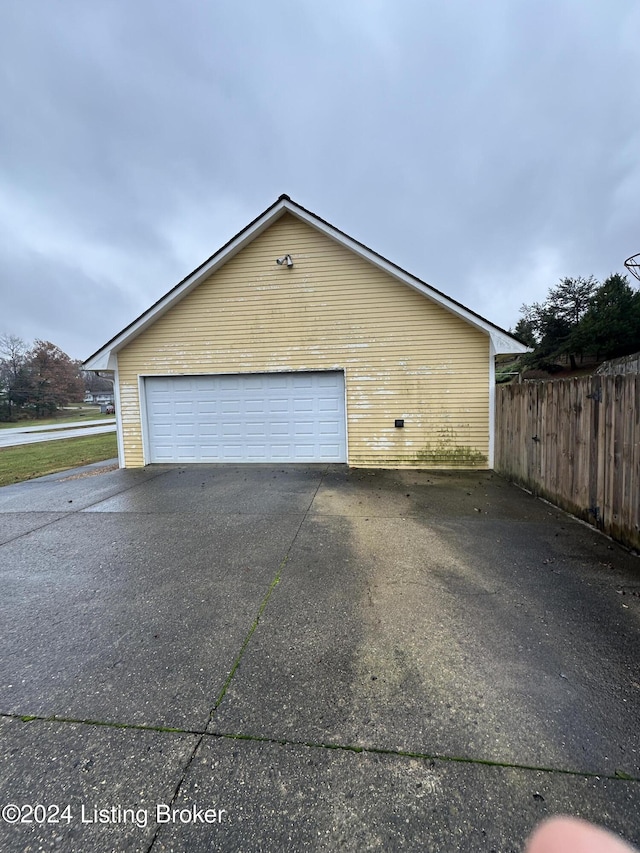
(103, 359)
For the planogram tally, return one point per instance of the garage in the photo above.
(255, 417)
(293, 335)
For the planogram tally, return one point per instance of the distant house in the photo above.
(296, 343)
(100, 398)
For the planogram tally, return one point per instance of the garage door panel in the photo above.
(205, 383)
(231, 429)
(256, 450)
(304, 428)
(164, 430)
(186, 431)
(275, 380)
(164, 451)
(207, 431)
(328, 428)
(209, 453)
(327, 404)
(231, 452)
(229, 384)
(281, 451)
(280, 428)
(186, 451)
(304, 451)
(329, 451)
(303, 380)
(284, 417)
(184, 407)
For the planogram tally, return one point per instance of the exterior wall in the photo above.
(403, 355)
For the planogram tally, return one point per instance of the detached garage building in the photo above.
(296, 343)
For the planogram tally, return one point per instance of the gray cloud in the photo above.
(487, 148)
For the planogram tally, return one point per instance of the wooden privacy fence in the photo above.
(576, 442)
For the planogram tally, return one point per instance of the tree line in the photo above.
(38, 380)
(581, 317)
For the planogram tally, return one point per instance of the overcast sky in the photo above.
(489, 148)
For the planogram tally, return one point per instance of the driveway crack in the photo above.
(617, 775)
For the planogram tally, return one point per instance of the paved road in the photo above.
(29, 435)
(328, 658)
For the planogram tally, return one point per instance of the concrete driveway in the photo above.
(262, 658)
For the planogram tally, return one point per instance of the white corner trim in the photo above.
(492, 404)
(116, 400)
(144, 418)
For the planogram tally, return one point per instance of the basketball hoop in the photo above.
(633, 265)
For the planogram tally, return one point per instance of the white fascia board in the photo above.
(107, 355)
(104, 359)
(502, 343)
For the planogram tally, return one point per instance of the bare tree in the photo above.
(94, 383)
(13, 351)
(13, 354)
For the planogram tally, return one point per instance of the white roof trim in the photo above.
(105, 358)
(502, 341)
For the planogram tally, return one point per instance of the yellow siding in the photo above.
(403, 355)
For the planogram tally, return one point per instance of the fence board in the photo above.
(576, 442)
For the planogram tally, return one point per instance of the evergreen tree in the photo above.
(611, 326)
(579, 317)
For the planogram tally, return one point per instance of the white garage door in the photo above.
(262, 417)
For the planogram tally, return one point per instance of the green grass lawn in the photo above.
(47, 457)
(67, 415)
